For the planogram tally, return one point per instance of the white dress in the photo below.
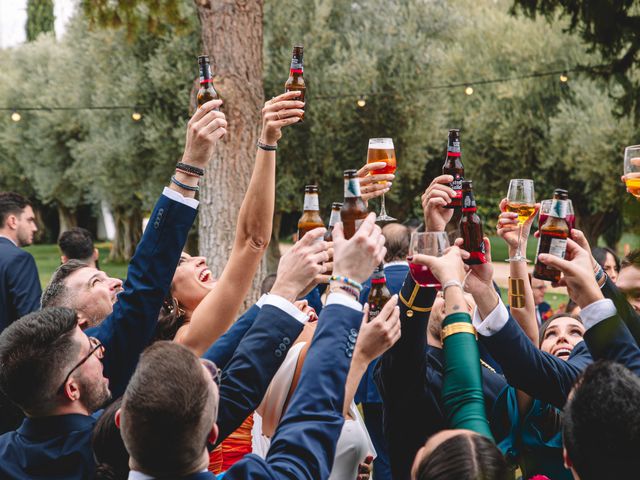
(354, 444)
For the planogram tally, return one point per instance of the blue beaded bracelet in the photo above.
(184, 185)
(348, 281)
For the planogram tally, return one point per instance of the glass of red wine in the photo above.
(545, 207)
(427, 243)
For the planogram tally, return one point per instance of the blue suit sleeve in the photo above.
(130, 328)
(223, 349)
(531, 370)
(625, 310)
(24, 284)
(610, 339)
(253, 365)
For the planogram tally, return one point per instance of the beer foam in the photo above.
(380, 143)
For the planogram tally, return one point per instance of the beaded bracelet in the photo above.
(345, 288)
(190, 169)
(268, 148)
(184, 185)
(348, 281)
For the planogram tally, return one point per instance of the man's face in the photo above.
(93, 293)
(629, 284)
(539, 288)
(92, 384)
(26, 227)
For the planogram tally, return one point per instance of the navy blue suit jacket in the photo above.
(60, 447)
(531, 370)
(367, 391)
(610, 339)
(304, 444)
(409, 378)
(20, 289)
(626, 312)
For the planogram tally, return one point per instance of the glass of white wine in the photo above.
(521, 199)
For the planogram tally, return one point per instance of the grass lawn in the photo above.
(48, 259)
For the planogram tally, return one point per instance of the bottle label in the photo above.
(205, 73)
(378, 281)
(374, 311)
(453, 149)
(558, 247)
(335, 217)
(311, 202)
(469, 203)
(457, 184)
(296, 64)
(352, 188)
(559, 208)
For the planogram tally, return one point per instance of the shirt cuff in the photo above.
(494, 322)
(178, 197)
(595, 312)
(286, 306)
(339, 299)
(261, 300)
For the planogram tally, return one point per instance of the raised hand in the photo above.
(205, 128)
(437, 195)
(577, 270)
(369, 186)
(303, 261)
(380, 334)
(278, 113)
(445, 268)
(357, 257)
(480, 276)
(507, 227)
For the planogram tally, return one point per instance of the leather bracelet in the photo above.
(178, 169)
(268, 148)
(184, 185)
(190, 169)
(458, 327)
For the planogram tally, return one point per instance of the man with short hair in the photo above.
(601, 424)
(77, 244)
(19, 281)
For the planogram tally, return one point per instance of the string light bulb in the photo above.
(361, 101)
(468, 90)
(136, 116)
(564, 78)
(16, 117)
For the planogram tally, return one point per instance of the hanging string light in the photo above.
(15, 116)
(136, 116)
(361, 101)
(468, 90)
(564, 78)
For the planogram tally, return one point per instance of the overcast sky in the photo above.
(13, 16)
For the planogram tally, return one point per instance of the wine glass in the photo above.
(632, 170)
(522, 200)
(427, 243)
(381, 150)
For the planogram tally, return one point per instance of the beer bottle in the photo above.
(310, 218)
(471, 227)
(379, 294)
(553, 236)
(453, 166)
(333, 219)
(206, 92)
(354, 210)
(296, 74)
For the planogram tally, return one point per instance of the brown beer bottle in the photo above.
(379, 294)
(354, 210)
(453, 166)
(296, 74)
(310, 218)
(471, 227)
(553, 236)
(333, 219)
(206, 92)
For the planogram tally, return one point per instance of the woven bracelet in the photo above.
(184, 185)
(178, 169)
(348, 281)
(268, 148)
(190, 169)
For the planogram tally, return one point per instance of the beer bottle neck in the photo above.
(311, 202)
(559, 208)
(334, 218)
(296, 65)
(379, 280)
(205, 74)
(453, 148)
(351, 188)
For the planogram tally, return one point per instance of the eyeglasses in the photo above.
(213, 370)
(96, 348)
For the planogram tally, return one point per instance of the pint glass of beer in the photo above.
(381, 150)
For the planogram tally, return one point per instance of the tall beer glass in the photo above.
(632, 170)
(522, 200)
(381, 150)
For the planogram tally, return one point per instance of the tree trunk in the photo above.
(67, 219)
(232, 37)
(128, 233)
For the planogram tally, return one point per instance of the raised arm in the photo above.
(220, 307)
